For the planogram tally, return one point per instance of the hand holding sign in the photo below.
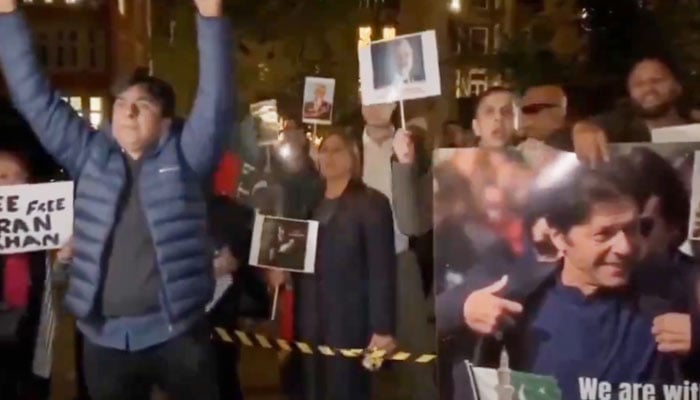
(404, 148)
(8, 6)
(485, 312)
(209, 8)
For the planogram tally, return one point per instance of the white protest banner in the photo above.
(269, 123)
(676, 134)
(402, 68)
(35, 217)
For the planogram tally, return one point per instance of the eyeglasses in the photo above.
(535, 108)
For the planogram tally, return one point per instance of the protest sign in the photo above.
(318, 101)
(282, 243)
(525, 253)
(676, 134)
(35, 217)
(267, 118)
(402, 68)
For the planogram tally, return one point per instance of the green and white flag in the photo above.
(513, 385)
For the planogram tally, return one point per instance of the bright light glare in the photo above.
(455, 6)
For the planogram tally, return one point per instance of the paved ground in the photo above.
(259, 372)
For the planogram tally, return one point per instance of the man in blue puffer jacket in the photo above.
(141, 273)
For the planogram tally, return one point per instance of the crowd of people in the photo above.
(546, 241)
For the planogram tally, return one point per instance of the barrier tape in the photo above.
(257, 340)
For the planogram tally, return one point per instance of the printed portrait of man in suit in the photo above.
(398, 62)
(319, 107)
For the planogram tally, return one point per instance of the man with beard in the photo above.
(654, 92)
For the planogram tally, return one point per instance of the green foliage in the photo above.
(279, 42)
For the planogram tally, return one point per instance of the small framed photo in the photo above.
(286, 244)
(267, 120)
(402, 68)
(318, 100)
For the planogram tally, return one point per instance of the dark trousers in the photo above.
(79, 370)
(184, 367)
(227, 358)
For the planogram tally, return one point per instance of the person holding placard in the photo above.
(140, 212)
(22, 283)
(654, 92)
(350, 300)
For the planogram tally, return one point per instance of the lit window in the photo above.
(122, 7)
(76, 103)
(95, 111)
(389, 32)
(96, 104)
(478, 40)
(48, 1)
(71, 1)
(365, 36)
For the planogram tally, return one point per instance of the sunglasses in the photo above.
(535, 108)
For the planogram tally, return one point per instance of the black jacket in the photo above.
(352, 293)
(231, 224)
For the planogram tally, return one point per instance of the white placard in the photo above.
(676, 134)
(35, 217)
(285, 244)
(402, 68)
(269, 121)
(318, 100)
(694, 225)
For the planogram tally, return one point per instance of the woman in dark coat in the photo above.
(349, 301)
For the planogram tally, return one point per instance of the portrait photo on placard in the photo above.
(267, 121)
(283, 243)
(318, 100)
(402, 68)
(558, 280)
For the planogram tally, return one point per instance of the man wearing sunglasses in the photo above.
(543, 122)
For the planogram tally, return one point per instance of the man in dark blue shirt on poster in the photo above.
(586, 315)
(141, 274)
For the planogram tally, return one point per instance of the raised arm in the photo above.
(61, 131)
(211, 119)
(412, 189)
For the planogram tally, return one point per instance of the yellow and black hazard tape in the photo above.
(257, 340)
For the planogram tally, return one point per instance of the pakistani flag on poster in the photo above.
(504, 384)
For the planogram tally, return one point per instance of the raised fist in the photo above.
(485, 312)
(8, 6)
(208, 8)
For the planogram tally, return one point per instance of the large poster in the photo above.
(35, 217)
(559, 281)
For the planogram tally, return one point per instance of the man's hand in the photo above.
(276, 278)
(225, 263)
(673, 333)
(385, 343)
(8, 6)
(484, 312)
(208, 8)
(404, 148)
(590, 143)
(65, 253)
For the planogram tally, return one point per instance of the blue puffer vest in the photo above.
(170, 180)
(175, 208)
